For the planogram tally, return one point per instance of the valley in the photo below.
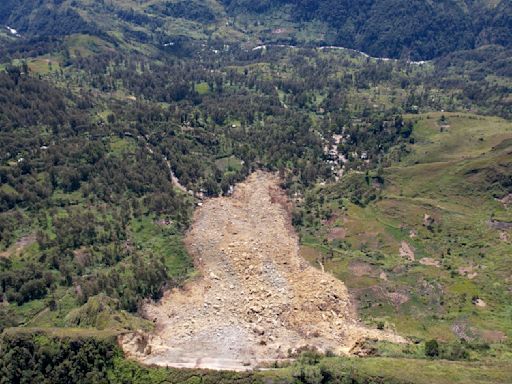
(218, 191)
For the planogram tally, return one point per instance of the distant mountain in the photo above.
(415, 29)
(45, 18)
(418, 29)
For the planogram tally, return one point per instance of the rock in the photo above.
(479, 303)
(406, 251)
(258, 330)
(214, 276)
(428, 220)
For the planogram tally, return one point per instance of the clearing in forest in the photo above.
(256, 299)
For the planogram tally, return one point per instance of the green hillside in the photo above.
(416, 30)
(413, 29)
(118, 117)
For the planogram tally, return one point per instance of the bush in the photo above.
(432, 348)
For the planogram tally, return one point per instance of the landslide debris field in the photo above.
(256, 298)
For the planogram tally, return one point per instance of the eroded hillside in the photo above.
(256, 300)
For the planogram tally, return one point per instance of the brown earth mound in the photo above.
(256, 299)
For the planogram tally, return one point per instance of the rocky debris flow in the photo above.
(256, 299)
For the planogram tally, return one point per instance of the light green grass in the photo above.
(202, 88)
(444, 176)
(163, 242)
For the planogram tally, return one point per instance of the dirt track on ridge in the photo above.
(256, 298)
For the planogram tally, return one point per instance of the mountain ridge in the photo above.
(415, 30)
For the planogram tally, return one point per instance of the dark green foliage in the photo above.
(398, 28)
(393, 28)
(37, 358)
(45, 19)
(190, 10)
(432, 348)
(360, 189)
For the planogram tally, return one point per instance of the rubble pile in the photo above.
(257, 300)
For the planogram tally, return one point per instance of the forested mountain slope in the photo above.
(392, 28)
(119, 117)
(414, 29)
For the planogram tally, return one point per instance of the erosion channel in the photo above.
(256, 298)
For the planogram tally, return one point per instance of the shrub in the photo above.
(432, 348)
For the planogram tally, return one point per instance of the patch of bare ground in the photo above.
(18, 246)
(506, 200)
(469, 272)
(499, 225)
(256, 299)
(406, 251)
(479, 303)
(359, 269)
(337, 233)
(493, 336)
(430, 262)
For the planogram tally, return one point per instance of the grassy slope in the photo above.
(438, 178)
(427, 371)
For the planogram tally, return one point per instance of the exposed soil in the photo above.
(480, 303)
(506, 200)
(359, 269)
(493, 336)
(469, 272)
(462, 330)
(337, 234)
(256, 299)
(430, 262)
(499, 225)
(17, 248)
(406, 251)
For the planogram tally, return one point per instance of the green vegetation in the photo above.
(393, 28)
(444, 284)
(81, 356)
(400, 173)
(416, 30)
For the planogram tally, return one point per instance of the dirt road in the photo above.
(256, 299)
